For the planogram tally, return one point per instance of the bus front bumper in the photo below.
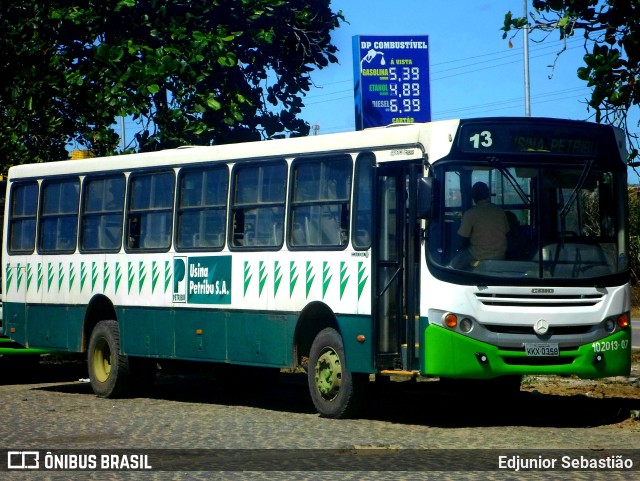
(451, 354)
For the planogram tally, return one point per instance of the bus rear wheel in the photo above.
(108, 369)
(335, 391)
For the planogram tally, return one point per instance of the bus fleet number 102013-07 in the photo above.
(603, 346)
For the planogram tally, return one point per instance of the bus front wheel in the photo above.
(108, 369)
(335, 391)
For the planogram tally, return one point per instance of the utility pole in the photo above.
(527, 99)
(122, 131)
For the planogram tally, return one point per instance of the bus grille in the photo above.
(553, 330)
(533, 300)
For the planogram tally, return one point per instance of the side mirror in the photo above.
(426, 187)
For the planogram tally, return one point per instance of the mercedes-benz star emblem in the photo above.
(541, 327)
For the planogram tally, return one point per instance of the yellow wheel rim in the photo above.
(102, 360)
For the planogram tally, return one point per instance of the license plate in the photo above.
(541, 349)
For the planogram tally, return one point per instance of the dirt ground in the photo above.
(613, 388)
(623, 387)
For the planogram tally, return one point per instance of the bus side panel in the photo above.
(55, 326)
(200, 334)
(260, 338)
(45, 325)
(146, 332)
(359, 354)
(242, 337)
(14, 323)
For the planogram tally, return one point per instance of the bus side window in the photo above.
(102, 211)
(257, 206)
(320, 202)
(202, 207)
(150, 211)
(58, 220)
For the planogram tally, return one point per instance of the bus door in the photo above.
(396, 264)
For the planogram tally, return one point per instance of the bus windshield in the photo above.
(555, 219)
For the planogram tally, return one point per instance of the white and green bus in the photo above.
(329, 252)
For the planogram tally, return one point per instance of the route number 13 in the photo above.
(483, 139)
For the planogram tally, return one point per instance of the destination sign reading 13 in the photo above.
(391, 75)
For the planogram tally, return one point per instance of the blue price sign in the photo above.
(391, 75)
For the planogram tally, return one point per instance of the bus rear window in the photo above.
(22, 218)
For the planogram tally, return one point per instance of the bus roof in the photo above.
(370, 139)
(436, 139)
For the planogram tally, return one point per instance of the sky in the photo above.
(473, 72)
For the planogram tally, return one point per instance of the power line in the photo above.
(515, 53)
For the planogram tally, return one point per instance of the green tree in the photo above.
(634, 234)
(611, 32)
(196, 72)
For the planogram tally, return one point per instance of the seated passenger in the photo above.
(485, 226)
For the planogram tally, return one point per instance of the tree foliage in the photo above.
(611, 32)
(634, 234)
(196, 72)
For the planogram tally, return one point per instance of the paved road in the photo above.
(52, 410)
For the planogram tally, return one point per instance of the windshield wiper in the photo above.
(512, 180)
(574, 195)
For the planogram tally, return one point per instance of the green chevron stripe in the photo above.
(106, 276)
(9, 277)
(362, 279)
(326, 278)
(143, 276)
(94, 275)
(167, 275)
(247, 276)
(277, 277)
(49, 276)
(40, 276)
(131, 277)
(118, 276)
(60, 276)
(72, 276)
(262, 269)
(310, 277)
(83, 275)
(19, 278)
(29, 275)
(293, 277)
(155, 274)
(344, 278)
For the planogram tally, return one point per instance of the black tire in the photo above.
(108, 368)
(335, 391)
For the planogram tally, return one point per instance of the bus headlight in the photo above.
(609, 325)
(466, 325)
